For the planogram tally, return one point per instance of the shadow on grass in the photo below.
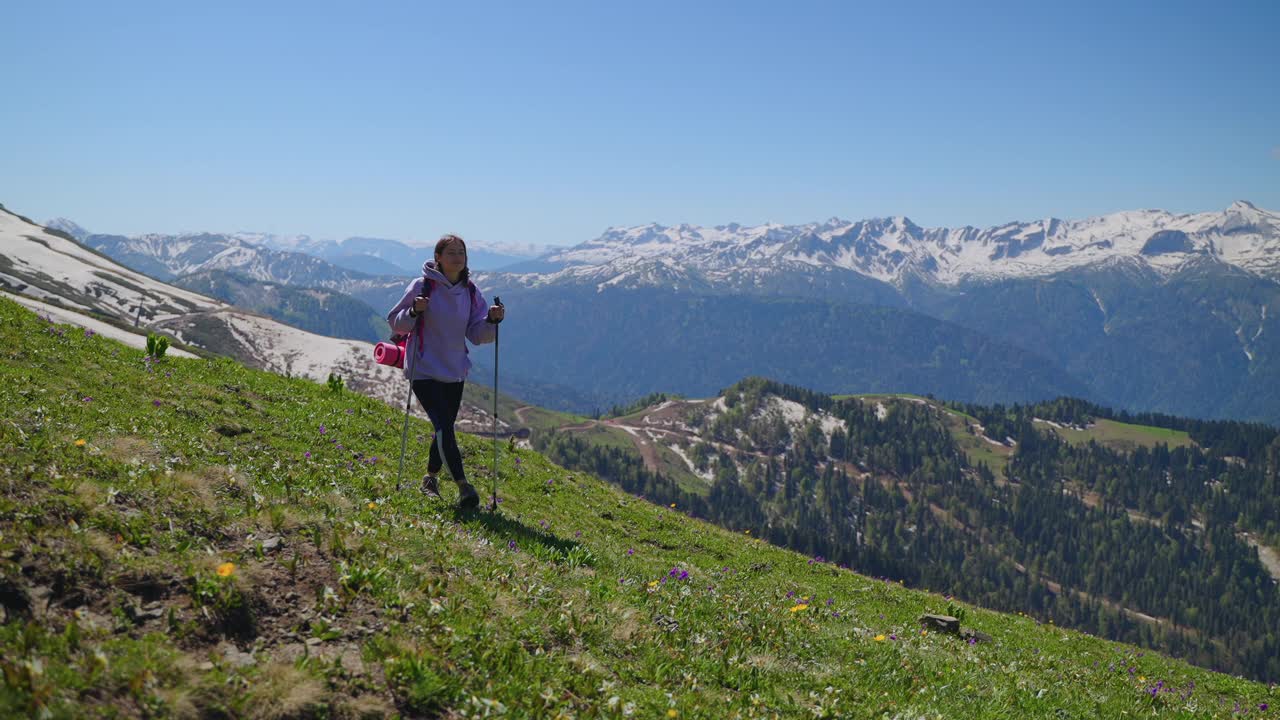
(502, 527)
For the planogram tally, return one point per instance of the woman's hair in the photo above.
(445, 241)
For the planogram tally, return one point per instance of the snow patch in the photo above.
(704, 474)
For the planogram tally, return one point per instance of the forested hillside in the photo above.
(1144, 534)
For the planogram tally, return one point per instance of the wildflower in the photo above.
(923, 633)
(307, 454)
(653, 583)
(631, 551)
(225, 569)
(86, 398)
(88, 333)
(798, 608)
(830, 601)
(80, 443)
(323, 430)
(746, 532)
(156, 403)
(880, 638)
(673, 504)
(372, 505)
(1262, 707)
(511, 544)
(791, 594)
(893, 636)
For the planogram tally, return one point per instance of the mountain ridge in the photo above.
(888, 249)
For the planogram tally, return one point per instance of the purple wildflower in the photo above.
(323, 430)
(88, 333)
(830, 602)
(156, 403)
(973, 640)
(631, 551)
(511, 544)
(86, 399)
(893, 636)
(790, 594)
(307, 454)
(1263, 707)
(578, 534)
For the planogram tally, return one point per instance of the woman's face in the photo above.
(452, 259)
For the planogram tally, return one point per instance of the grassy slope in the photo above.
(346, 598)
(1123, 436)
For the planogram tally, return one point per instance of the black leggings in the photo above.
(441, 400)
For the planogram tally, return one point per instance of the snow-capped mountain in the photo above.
(171, 256)
(895, 250)
(72, 283)
(68, 227)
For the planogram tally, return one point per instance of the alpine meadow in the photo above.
(190, 537)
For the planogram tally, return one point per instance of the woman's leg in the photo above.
(441, 401)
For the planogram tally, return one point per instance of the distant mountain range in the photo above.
(1141, 310)
(1144, 310)
(172, 254)
(896, 251)
(65, 280)
(50, 267)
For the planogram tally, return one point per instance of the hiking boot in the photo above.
(431, 486)
(468, 498)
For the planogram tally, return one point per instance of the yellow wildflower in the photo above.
(798, 608)
(880, 638)
(653, 583)
(372, 505)
(80, 443)
(672, 713)
(225, 569)
(673, 504)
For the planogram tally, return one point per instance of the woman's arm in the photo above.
(479, 329)
(399, 318)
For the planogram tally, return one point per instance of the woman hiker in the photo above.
(440, 311)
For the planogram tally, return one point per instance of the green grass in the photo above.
(188, 559)
(1123, 436)
(516, 412)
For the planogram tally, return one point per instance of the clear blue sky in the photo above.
(548, 122)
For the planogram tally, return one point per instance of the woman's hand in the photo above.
(496, 313)
(420, 304)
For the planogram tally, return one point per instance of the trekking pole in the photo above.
(493, 503)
